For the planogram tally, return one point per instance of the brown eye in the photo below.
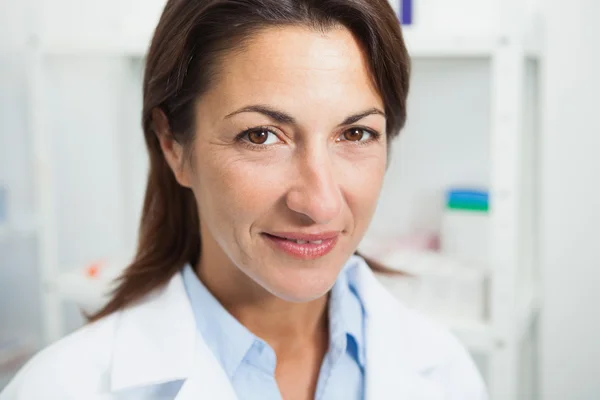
(259, 136)
(354, 134)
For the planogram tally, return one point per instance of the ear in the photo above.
(172, 150)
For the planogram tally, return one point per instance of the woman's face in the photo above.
(290, 147)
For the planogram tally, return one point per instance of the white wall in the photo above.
(19, 286)
(92, 118)
(571, 202)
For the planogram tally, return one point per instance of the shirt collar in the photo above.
(346, 316)
(231, 341)
(224, 335)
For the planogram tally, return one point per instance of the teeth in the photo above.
(308, 241)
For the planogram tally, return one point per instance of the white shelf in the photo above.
(480, 336)
(462, 45)
(419, 45)
(529, 309)
(135, 47)
(87, 292)
(455, 45)
(533, 49)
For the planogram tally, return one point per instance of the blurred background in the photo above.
(491, 201)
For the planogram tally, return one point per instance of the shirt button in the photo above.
(258, 346)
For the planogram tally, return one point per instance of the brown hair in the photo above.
(183, 60)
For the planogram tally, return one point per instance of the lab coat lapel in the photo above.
(206, 377)
(387, 378)
(394, 370)
(157, 342)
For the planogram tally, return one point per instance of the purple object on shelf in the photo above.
(406, 12)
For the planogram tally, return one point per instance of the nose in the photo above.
(316, 193)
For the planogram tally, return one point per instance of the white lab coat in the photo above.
(130, 354)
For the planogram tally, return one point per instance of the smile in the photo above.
(303, 246)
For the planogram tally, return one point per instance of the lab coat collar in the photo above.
(155, 340)
(395, 363)
(388, 325)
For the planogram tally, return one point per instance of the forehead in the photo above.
(296, 66)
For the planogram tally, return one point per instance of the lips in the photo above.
(306, 246)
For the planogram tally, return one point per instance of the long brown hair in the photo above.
(183, 60)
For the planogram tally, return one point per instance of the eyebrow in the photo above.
(352, 119)
(284, 118)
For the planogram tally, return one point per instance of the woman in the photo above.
(268, 125)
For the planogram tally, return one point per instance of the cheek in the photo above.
(234, 192)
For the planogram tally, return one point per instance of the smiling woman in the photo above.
(268, 125)
(292, 152)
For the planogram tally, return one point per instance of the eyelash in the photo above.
(241, 137)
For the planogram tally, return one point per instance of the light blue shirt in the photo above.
(249, 361)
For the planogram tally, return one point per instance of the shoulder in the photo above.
(439, 356)
(74, 367)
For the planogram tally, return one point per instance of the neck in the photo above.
(282, 324)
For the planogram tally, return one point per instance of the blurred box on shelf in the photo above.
(465, 228)
(432, 282)
(89, 287)
(382, 246)
(438, 285)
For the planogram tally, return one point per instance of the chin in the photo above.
(301, 286)
(301, 294)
